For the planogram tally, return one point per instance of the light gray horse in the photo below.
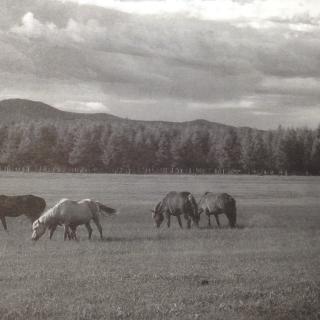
(71, 214)
(215, 204)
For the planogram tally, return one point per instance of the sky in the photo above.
(249, 63)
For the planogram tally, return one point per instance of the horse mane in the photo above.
(202, 198)
(51, 213)
(159, 207)
(204, 195)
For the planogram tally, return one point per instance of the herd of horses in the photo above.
(71, 214)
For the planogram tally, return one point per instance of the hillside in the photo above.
(34, 136)
(22, 110)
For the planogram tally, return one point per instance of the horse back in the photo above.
(74, 212)
(179, 202)
(222, 202)
(29, 205)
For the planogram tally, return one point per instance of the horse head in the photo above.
(39, 228)
(195, 214)
(157, 214)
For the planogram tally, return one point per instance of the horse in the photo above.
(218, 204)
(176, 204)
(15, 206)
(71, 214)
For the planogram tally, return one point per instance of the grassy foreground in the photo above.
(268, 268)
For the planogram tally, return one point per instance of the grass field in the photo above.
(267, 268)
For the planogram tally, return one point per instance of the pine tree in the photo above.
(163, 154)
(259, 153)
(44, 145)
(315, 153)
(306, 140)
(26, 153)
(86, 151)
(115, 155)
(270, 161)
(230, 151)
(9, 152)
(292, 152)
(247, 152)
(65, 143)
(212, 158)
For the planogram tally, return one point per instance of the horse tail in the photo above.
(104, 209)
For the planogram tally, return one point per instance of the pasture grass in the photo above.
(267, 268)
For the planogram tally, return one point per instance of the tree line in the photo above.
(159, 148)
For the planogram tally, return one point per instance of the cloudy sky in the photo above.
(241, 62)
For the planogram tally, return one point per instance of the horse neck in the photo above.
(48, 217)
(204, 203)
(202, 199)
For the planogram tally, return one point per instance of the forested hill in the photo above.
(22, 110)
(36, 136)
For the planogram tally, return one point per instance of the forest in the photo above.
(134, 147)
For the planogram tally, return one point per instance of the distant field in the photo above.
(268, 268)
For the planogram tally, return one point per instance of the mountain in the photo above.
(36, 136)
(22, 110)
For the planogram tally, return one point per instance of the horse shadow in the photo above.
(131, 239)
(224, 227)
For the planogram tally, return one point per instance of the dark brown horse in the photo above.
(15, 206)
(176, 204)
(218, 204)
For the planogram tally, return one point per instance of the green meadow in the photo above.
(266, 268)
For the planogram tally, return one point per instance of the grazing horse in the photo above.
(218, 204)
(71, 214)
(15, 206)
(176, 204)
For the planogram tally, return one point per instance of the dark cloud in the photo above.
(136, 65)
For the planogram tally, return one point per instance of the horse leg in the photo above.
(187, 217)
(217, 219)
(179, 221)
(98, 224)
(209, 218)
(66, 232)
(89, 229)
(52, 230)
(168, 216)
(69, 234)
(209, 221)
(73, 235)
(4, 223)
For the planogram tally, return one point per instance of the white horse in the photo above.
(71, 214)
